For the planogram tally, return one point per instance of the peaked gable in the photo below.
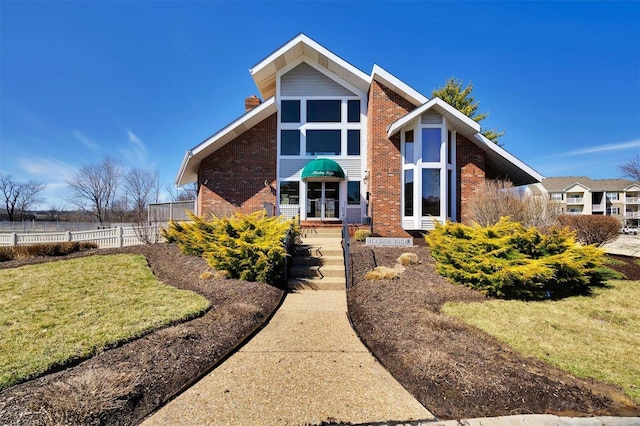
(305, 80)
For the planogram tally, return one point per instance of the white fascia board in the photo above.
(301, 38)
(381, 75)
(231, 127)
(443, 107)
(508, 156)
(191, 157)
(183, 167)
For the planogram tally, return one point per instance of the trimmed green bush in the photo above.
(250, 247)
(361, 235)
(507, 260)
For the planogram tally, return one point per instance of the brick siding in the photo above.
(384, 160)
(235, 174)
(471, 167)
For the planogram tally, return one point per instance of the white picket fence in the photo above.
(105, 238)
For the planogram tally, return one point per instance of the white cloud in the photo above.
(136, 153)
(89, 143)
(49, 168)
(621, 146)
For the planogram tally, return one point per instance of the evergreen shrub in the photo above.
(507, 260)
(250, 247)
(361, 235)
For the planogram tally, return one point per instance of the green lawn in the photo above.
(596, 336)
(57, 311)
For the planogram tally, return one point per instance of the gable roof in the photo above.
(562, 183)
(264, 72)
(191, 163)
(500, 163)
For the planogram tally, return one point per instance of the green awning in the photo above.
(322, 169)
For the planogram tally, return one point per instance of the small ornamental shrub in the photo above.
(407, 259)
(382, 273)
(592, 229)
(361, 235)
(507, 260)
(250, 247)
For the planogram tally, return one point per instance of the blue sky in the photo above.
(144, 81)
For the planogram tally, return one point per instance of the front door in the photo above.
(323, 200)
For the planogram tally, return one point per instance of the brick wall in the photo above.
(235, 174)
(384, 160)
(471, 166)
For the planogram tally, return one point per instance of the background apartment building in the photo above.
(583, 195)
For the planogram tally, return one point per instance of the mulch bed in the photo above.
(120, 386)
(453, 369)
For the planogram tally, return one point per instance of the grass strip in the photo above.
(594, 336)
(56, 312)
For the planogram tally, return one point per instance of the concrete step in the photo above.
(321, 240)
(318, 271)
(318, 261)
(326, 283)
(318, 251)
(321, 232)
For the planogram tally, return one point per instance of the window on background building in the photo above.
(353, 142)
(408, 147)
(613, 210)
(614, 196)
(353, 192)
(290, 111)
(290, 142)
(353, 111)
(290, 192)
(557, 196)
(324, 111)
(323, 142)
(408, 192)
(431, 145)
(430, 192)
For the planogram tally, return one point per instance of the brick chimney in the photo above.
(251, 102)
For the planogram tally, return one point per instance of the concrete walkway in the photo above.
(305, 367)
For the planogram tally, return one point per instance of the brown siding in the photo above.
(235, 174)
(384, 159)
(470, 164)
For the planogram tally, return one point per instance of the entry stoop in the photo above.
(318, 263)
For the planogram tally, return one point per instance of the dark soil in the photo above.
(120, 386)
(629, 266)
(453, 369)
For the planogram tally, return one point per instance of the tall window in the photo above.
(430, 192)
(353, 192)
(353, 110)
(431, 145)
(290, 142)
(408, 192)
(290, 111)
(353, 142)
(408, 147)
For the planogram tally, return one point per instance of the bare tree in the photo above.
(93, 188)
(631, 169)
(186, 192)
(30, 194)
(142, 187)
(19, 195)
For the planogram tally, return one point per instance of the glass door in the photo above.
(314, 200)
(323, 200)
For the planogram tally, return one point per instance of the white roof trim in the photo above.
(444, 108)
(191, 162)
(494, 147)
(314, 45)
(631, 186)
(381, 75)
